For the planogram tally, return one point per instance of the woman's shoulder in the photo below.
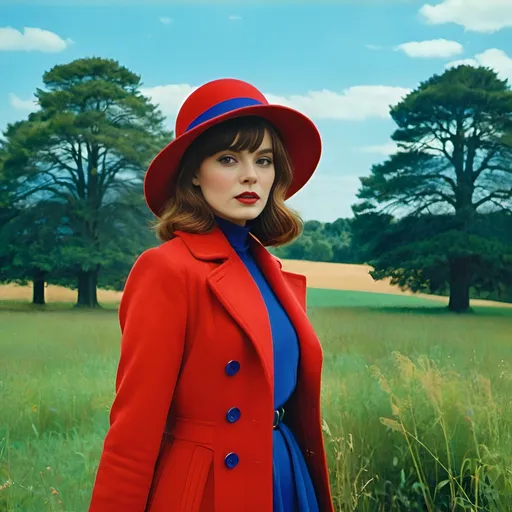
(171, 255)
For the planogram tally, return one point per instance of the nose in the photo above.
(249, 173)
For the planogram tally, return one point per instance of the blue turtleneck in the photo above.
(293, 489)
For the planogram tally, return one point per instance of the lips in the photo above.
(248, 195)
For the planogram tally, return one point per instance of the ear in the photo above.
(195, 181)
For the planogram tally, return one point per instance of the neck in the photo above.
(237, 235)
(240, 222)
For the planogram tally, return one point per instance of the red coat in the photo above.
(190, 308)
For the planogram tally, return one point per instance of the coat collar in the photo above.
(209, 246)
(214, 246)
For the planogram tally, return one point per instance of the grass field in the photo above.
(417, 402)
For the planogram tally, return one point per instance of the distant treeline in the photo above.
(323, 241)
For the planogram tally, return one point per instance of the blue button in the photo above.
(232, 368)
(233, 414)
(231, 460)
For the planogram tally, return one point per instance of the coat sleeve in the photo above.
(152, 316)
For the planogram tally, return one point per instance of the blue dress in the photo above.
(293, 488)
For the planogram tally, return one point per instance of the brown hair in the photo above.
(187, 210)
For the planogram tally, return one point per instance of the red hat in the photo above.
(219, 101)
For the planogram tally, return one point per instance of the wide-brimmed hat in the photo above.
(219, 101)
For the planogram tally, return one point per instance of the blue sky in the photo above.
(341, 63)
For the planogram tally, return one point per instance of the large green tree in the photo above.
(87, 148)
(454, 164)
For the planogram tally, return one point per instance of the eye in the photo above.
(226, 159)
(266, 161)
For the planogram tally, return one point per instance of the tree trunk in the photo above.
(460, 282)
(38, 288)
(87, 289)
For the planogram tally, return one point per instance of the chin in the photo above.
(249, 215)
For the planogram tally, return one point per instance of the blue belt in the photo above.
(278, 416)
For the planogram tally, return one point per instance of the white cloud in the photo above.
(381, 149)
(165, 20)
(168, 97)
(233, 17)
(435, 48)
(461, 62)
(492, 58)
(32, 39)
(476, 15)
(355, 103)
(373, 47)
(26, 105)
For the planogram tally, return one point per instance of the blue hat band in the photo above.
(222, 108)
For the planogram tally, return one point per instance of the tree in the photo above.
(414, 251)
(31, 247)
(87, 148)
(330, 241)
(312, 226)
(297, 250)
(320, 250)
(340, 227)
(7, 210)
(455, 159)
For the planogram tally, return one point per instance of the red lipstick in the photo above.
(247, 197)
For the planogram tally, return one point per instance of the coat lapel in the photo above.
(237, 291)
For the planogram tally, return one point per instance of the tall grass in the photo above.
(418, 412)
(416, 404)
(56, 387)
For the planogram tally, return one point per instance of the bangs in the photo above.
(238, 134)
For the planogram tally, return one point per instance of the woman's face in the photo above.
(237, 185)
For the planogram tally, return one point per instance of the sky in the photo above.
(342, 63)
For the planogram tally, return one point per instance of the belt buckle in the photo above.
(278, 417)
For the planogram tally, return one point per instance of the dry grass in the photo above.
(329, 276)
(52, 294)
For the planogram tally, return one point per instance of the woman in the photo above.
(217, 402)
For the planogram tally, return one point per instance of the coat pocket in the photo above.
(196, 479)
(181, 477)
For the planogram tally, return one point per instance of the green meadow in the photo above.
(417, 403)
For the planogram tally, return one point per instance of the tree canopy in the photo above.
(454, 166)
(86, 149)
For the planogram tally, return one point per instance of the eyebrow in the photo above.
(264, 150)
